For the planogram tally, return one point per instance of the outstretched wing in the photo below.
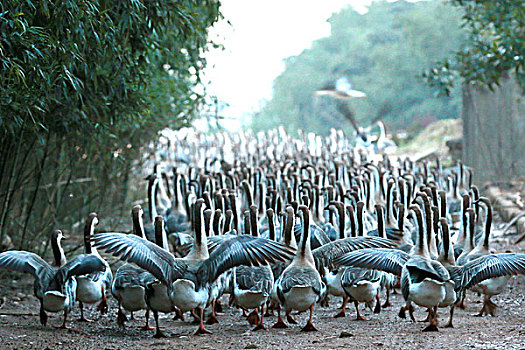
(142, 252)
(81, 265)
(325, 254)
(243, 250)
(22, 261)
(388, 260)
(491, 266)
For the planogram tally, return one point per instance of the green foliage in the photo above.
(382, 53)
(496, 45)
(85, 87)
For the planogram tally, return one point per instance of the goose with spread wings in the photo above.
(55, 289)
(189, 279)
(464, 277)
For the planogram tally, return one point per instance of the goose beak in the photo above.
(65, 237)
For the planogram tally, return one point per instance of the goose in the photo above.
(252, 285)
(363, 285)
(92, 288)
(129, 282)
(418, 271)
(422, 279)
(54, 288)
(157, 297)
(300, 286)
(493, 286)
(189, 279)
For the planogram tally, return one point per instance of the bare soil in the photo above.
(20, 328)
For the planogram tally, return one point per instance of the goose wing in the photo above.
(27, 262)
(490, 266)
(242, 250)
(142, 252)
(324, 255)
(388, 260)
(353, 275)
(81, 265)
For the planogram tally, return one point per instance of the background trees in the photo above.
(496, 45)
(383, 54)
(85, 85)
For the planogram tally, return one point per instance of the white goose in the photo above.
(129, 282)
(92, 288)
(299, 287)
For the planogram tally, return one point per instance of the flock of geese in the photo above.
(281, 224)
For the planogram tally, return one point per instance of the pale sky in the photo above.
(262, 33)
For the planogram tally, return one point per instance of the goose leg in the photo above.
(486, 309)
(260, 325)
(309, 327)
(63, 326)
(179, 315)
(103, 305)
(387, 301)
(461, 304)
(121, 317)
(132, 317)
(429, 315)
(201, 329)
(82, 317)
(377, 309)
(146, 327)
(280, 323)
(43, 315)
(213, 317)
(432, 327)
(342, 313)
(269, 307)
(218, 307)
(289, 317)
(158, 333)
(253, 317)
(359, 317)
(449, 324)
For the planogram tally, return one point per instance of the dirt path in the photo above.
(386, 330)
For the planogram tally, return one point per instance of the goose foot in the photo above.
(63, 326)
(253, 318)
(121, 319)
(290, 319)
(386, 304)
(280, 324)
(212, 320)
(449, 325)
(159, 334)
(201, 331)
(431, 328)
(84, 319)
(309, 327)
(340, 314)
(360, 318)
(259, 327)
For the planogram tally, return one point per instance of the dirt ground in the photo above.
(20, 328)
